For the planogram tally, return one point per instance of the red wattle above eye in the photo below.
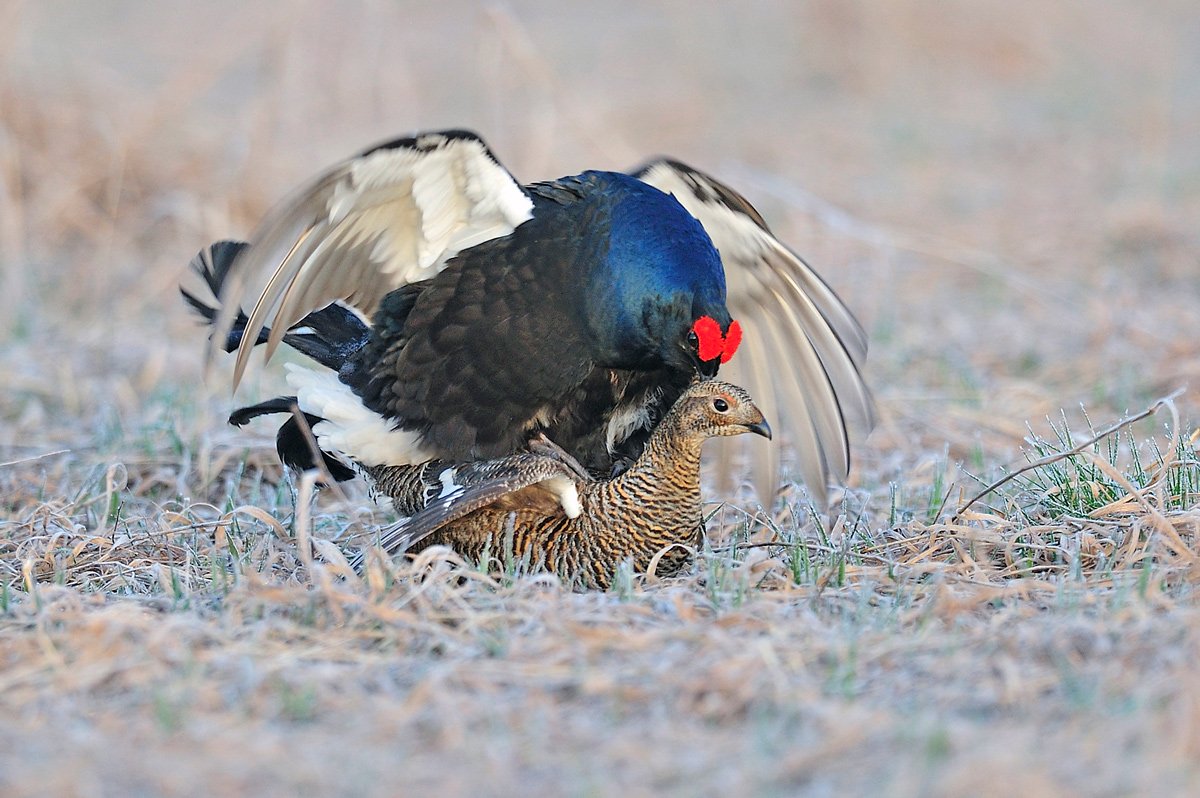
(733, 339)
(709, 334)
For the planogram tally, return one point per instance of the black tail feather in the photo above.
(329, 335)
(293, 442)
(244, 415)
(213, 264)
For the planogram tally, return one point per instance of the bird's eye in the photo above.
(720, 405)
(693, 340)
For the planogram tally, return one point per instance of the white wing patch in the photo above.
(450, 488)
(458, 197)
(349, 427)
(390, 217)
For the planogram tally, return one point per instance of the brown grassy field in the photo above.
(1007, 193)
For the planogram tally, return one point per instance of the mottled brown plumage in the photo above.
(653, 505)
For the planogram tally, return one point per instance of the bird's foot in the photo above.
(620, 466)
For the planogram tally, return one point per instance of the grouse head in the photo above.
(658, 296)
(712, 409)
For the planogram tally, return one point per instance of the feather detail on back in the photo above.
(431, 495)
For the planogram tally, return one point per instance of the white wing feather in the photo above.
(374, 223)
(802, 348)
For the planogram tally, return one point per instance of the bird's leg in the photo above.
(541, 445)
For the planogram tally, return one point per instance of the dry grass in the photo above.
(1007, 193)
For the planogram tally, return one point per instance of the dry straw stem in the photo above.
(1166, 401)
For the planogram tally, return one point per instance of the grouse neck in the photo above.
(670, 463)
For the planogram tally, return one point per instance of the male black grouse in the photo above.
(458, 313)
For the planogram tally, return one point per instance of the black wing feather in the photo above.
(481, 360)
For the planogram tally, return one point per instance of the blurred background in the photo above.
(1006, 193)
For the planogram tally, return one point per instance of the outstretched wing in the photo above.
(803, 350)
(386, 218)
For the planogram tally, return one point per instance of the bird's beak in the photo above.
(707, 369)
(760, 427)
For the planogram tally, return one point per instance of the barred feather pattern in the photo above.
(652, 509)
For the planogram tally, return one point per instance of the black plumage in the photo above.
(509, 340)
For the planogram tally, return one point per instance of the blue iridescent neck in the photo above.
(660, 271)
